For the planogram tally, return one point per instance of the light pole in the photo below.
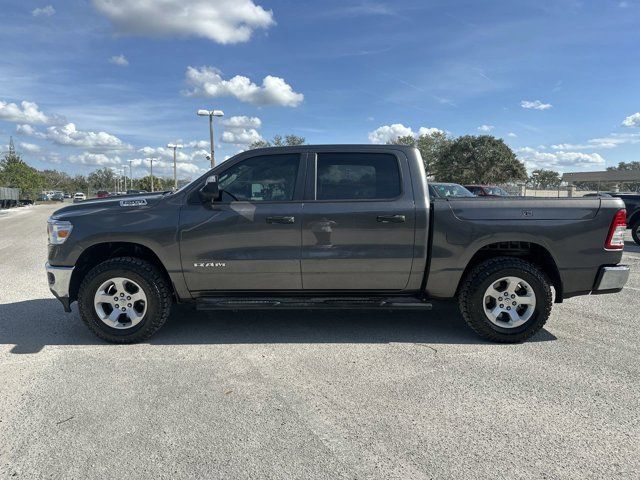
(130, 175)
(175, 146)
(211, 114)
(151, 163)
(124, 177)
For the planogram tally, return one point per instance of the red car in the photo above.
(486, 191)
(102, 194)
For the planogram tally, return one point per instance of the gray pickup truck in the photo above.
(336, 227)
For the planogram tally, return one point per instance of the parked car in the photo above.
(102, 194)
(67, 195)
(43, 197)
(486, 191)
(632, 204)
(336, 226)
(135, 192)
(447, 190)
(78, 197)
(57, 197)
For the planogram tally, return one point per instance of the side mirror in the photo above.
(210, 192)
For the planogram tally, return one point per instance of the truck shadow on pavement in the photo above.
(31, 325)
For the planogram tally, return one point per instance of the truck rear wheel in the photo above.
(124, 300)
(635, 232)
(505, 299)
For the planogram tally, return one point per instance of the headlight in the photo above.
(58, 231)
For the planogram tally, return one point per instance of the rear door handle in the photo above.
(281, 220)
(391, 218)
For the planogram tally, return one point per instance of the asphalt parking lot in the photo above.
(311, 394)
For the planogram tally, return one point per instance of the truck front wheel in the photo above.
(124, 300)
(505, 299)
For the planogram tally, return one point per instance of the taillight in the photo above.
(615, 239)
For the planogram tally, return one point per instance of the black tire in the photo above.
(148, 277)
(635, 232)
(471, 298)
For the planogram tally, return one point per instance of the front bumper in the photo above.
(59, 279)
(611, 279)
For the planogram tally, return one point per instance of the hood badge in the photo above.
(133, 203)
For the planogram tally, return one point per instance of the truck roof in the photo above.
(349, 147)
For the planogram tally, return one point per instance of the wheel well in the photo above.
(100, 252)
(635, 217)
(531, 252)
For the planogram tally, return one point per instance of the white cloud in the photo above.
(223, 21)
(242, 121)
(164, 153)
(388, 133)
(241, 136)
(632, 120)
(69, 135)
(43, 11)
(29, 147)
(241, 130)
(198, 144)
(207, 82)
(485, 128)
(535, 105)
(119, 60)
(165, 167)
(512, 135)
(559, 160)
(95, 159)
(28, 130)
(611, 141)
(428, 131)
(26, 112)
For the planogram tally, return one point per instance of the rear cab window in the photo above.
(357, 176)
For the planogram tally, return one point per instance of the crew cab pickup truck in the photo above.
(336, 227)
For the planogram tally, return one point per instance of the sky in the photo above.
(86, 84)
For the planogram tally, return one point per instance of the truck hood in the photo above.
(100, 205)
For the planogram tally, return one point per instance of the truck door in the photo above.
(358, 223)
(250, 240)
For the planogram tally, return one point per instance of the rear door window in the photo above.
(357, 176)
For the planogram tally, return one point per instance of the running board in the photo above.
(243, 303)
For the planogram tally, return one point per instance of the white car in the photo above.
(78, 197)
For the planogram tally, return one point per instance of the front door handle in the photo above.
(391, 218)
(285, 220)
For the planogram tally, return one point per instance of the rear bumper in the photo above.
(611, 279)
(59, 279)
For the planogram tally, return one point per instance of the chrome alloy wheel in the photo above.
(509, 302)
(120, 303)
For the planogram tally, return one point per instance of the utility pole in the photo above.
(211, 114)
(175, 146)
(130, 174)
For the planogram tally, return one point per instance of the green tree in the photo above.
(479, 159)
(159, 184)
(15, 173)
(431, 146)
(56, 180)
(544, 179)
(102, 179)
(279, 141)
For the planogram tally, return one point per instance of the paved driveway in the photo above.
(311, 395)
